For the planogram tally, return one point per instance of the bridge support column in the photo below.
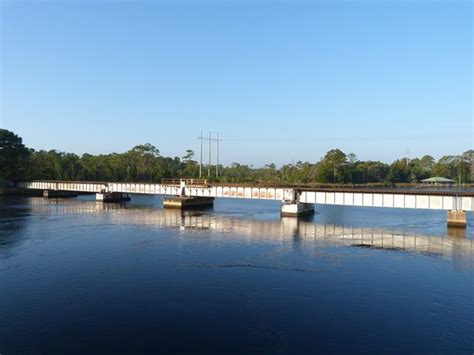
(296, 209)
(457, 218)
(112, 197)
(187, 202)
(58, 194)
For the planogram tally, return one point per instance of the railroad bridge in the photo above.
(197, 193)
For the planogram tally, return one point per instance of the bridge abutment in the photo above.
(457, 218)
(296, 209)
(112, 197)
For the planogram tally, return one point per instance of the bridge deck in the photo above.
(394, 198)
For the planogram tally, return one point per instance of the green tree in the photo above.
(398, 171)
(142, 158)
(331, 167)
(144, 163)
(190, 166)
(14, 156)
(445, 167)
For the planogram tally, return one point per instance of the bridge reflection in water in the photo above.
(455, 244)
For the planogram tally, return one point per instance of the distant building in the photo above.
(438, 180)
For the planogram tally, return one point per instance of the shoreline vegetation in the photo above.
(143, 163)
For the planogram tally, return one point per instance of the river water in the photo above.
(77, 276)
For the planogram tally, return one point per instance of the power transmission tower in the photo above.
(200, 155)
(210, 149)
(217, 153)
(210, 140)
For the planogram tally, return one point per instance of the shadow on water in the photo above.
(14, 214)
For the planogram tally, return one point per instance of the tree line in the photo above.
(145, 163)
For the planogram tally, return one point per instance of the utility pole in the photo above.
(472, 166)
(200, 157)
(209, 166)
(217, 155)
(407, 161)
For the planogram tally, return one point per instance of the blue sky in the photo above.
(281, 81)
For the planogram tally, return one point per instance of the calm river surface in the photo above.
(78, 276)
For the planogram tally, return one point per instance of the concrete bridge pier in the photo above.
(187, 202)
(296, 209)
(293, 208)
(58, 194)
(457, 218)
(112, 197)
(184, 202)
